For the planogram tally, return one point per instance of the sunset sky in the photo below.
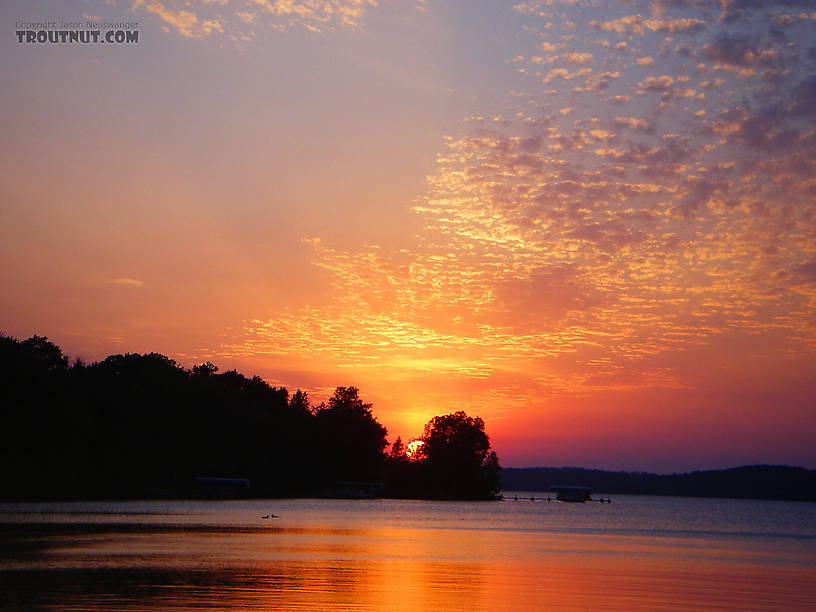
(591, 223)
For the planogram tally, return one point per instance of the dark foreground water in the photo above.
(638, 553)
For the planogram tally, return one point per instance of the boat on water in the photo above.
(572, 494)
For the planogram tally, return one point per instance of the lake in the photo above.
(638, 553)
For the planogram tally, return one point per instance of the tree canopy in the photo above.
(452, 461)
(140, 425)
(352, 441)
(460, 462)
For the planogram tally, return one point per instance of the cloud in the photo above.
(658, 84)
(203, 18)
(785, 20)
(739, 50)
(801, 103)
(632, 123)
(652, 232)
(807, 271)
(664, 86)
(637, 24)
(125, 282)
(577, 59)
(564, 74)
(599, 82)
(184, 22)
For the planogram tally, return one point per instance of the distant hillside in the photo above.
(748, 482)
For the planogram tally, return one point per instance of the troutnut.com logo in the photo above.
(66, 32)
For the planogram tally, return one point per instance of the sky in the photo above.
(590, 223)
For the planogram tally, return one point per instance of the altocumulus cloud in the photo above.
(242, 21)
(667, 217)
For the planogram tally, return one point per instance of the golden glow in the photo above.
(575, 242)
(413, 447)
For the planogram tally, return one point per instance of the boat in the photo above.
(572, 494)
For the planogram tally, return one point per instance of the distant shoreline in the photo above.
(769, 482)
(761, 482)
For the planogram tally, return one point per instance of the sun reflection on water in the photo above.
(404, 555)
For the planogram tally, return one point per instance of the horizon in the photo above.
(392, 439)
(714, 469)
(590, 224)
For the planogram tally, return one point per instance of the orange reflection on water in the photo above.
(406, 569)
(399, 568)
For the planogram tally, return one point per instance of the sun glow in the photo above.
(412, 449)
(601, 239)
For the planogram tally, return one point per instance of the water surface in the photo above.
(641, 553)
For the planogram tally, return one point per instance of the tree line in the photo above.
(135, 425)
(746, 482)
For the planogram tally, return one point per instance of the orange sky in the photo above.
(590, 223)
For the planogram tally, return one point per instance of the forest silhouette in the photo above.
(138, 425)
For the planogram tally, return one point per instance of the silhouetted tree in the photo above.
(133, 424)
(300, 401)
(351, 440)
(205, 369)
(459, 461)
(397, 451)
(47, 355)
(35, 412)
